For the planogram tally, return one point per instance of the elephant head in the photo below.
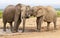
(26, 10)
(38, 11)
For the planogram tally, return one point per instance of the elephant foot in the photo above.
(11, 30)
(47, 30)
(14, 31)
(22, 31)
(38, 30)
(4, 30)
(55, 28)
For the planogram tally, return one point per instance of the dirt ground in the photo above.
(30, 30)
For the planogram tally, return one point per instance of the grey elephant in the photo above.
(47, 14)
(16, 14)
(25, 13)
(8, 16)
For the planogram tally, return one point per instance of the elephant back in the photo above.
(50, 14)
(9, 13)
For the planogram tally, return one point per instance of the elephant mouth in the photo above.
(27, 17)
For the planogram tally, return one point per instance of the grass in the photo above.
(58, 14)
(0, 14)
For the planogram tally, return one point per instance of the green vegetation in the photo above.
(0, 14)
(58, 13)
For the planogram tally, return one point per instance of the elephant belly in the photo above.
(48, 19)
(9, 17)
(10, 20)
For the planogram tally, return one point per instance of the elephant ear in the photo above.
(34, 10)
(18, 6)
(40, 12)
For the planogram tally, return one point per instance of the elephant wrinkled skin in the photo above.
(8, 16)
(47, 14)
(16, 14)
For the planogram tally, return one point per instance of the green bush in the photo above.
(0, 14)
(58, 13)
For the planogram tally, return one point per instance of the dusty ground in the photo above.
(30, 30)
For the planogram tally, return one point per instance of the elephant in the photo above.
(8, 16)
(25, 13)
(44, 13)
(15, 14)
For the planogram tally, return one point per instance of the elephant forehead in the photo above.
(23, 8)
(23, 14)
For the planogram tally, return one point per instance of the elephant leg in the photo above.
(55, 26)
(18, 23)
(24, 19)
(39, 22)
(48, 26)
(11, 26)
(15, 28)
(4, 28)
